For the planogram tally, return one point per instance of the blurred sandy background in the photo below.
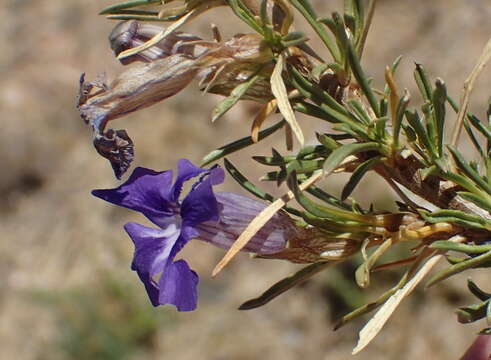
(66, 288)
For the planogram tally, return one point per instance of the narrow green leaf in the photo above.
(361, 78)
(358, 109)
(473, 138)
(472, 263)
(307, 87)
(273, 160)
(328, 142)
(253, 189)
(401, 108)
(327, 198)
(474, 289)
(136, 17)
(285, 285)
(357, 175)
(245, 15)
(380, 129)
(311, 152)
(315, 111)
(461, 180)
(126, 5)
(424, 84)
(468, 170)
(307, 11)
(226, 104)
(482, 128)
(341, 153)
(319, 210)
(338, 226)
(463, 248)
(384, 107)
(239, 144)
(393, 69)
(294, 38)
(438, 99)
(468, 314)
(304, 166)
(457, 217)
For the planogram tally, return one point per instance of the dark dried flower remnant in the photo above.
(138, 87)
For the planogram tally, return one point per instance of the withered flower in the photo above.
(140, 86)
(164, 69)
(130, 34)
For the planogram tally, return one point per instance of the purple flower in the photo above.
(217, 219)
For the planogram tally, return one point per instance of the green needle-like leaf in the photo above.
(424, 84)
(399, 115)
(478, 261)
(469, 171)
(285, 285)
(307, 11)
(245, 15)
(226, 104)
(439, 97)
(357, 175)
(239, 144)
(341, 153)
(463, 248)
(474, 289)
(126, 5)
(253, 189)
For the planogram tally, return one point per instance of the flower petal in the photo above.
(178, 286)
(200, 204)
(236, 212)
(185, 171)
(146, 191)
(154, 249)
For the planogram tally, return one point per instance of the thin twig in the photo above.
(466, 91)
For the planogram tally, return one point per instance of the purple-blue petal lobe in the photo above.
(156, 196)
(200, 204)
(153, 247)
(146, 191)
(185, 170)
(178, 286)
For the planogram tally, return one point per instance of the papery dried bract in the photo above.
(235, 61)
(312, 245)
